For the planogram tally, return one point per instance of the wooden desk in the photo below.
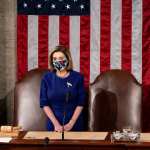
(30, 144)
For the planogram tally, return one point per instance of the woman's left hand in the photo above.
(69, 125)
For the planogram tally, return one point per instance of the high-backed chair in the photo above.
(114, 102)
(28, 113)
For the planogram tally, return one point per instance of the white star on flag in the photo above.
(25, 5)
(68, 6)
(81, 6)
(53, 6)
(39, 6)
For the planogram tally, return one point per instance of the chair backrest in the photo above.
(114, 102)
(28, 113)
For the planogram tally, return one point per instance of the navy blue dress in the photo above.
(53, 94)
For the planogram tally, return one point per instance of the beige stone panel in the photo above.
(8, 9)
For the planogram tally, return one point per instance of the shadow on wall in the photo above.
(146, 108)
(3, 114)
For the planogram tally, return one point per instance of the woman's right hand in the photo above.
(50, 114)
(58, 127)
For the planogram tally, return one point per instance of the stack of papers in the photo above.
(145, 137)
(5, 139)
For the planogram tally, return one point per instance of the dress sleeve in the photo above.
(81, 92)
(43, 93)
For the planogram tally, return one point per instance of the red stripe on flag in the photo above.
(105, 35)
(43, 42)
(22, 42)
(146, 65)
(64, 30)
(85, 48)
(126, 34)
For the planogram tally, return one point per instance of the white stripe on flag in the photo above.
(32, 42)
(75, 41)
(95, 40)
(137, 39)
(115, 50)
(53, 34)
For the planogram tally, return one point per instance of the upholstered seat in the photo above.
(114, 102)
(28, 113)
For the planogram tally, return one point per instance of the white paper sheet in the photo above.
(5, 139)
(145, 137)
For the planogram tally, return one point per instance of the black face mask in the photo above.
(60, 64)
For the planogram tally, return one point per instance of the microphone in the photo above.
(68, 94)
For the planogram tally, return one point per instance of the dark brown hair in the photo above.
(66, 52)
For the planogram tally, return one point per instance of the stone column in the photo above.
(8, 10)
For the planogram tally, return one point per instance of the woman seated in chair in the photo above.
(62, 94)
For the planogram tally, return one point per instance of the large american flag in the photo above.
(101, 34)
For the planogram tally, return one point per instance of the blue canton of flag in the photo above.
(54, 7)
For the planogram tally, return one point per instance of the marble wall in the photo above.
(8, 10)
